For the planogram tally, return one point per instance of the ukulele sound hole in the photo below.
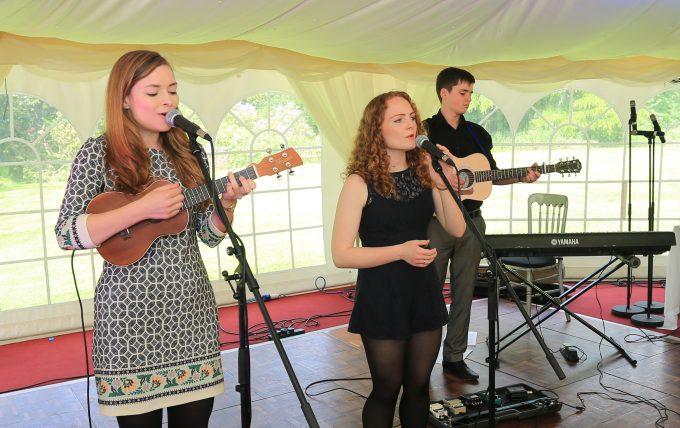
(154, 220)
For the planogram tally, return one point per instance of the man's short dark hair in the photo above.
(450, 77)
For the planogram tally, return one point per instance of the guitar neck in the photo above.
(502, 174)
(201, 193)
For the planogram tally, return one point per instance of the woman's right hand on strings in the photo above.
(163, 202)
(417, 254)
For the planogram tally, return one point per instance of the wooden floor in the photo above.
(337, 354)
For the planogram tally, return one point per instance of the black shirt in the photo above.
(461, 143)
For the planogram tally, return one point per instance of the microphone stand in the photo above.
(627, 310)
(647, 319)
(246, 277)
(492, 308)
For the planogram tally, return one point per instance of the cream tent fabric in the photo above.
(530, 44)
(514, 41)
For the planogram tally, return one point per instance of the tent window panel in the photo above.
(306, 175)
(496, 226)
(308, 247)
(602, 226)
(497, 207)
(606, 163)
(23, 285)
(21, 238)
(62, 288)
(273, 121)
(19, 188)
(274, 252)
(484, 112)
(670, 159)
(668, 207)
(603, 203)
(575, 192)
(305, 208)
(269, 209)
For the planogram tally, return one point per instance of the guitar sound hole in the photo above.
(465, 179)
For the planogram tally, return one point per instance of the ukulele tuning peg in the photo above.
(291, 172)
(278, 175)
(269, 151)
(282, 146)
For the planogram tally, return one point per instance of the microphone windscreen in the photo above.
(170, 117)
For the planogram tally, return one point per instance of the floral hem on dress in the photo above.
(154, 387)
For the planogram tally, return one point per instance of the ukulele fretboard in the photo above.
(201, 193)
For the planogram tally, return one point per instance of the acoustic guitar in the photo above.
(130, 245)
(476, 178)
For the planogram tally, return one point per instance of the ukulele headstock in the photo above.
(274, 164)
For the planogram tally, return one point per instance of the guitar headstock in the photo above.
(568, 166)
(273, 164)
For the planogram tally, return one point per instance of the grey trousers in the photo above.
(464, 253)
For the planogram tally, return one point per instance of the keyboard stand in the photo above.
(557, 302)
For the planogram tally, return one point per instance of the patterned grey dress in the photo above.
(156, 337)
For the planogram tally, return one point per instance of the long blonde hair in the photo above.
(126, 154)
(369, 158)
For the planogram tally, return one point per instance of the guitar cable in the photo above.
(82, 324)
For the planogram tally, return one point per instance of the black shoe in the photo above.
(460, 370)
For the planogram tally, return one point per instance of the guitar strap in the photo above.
(476, 138)
(430, 134)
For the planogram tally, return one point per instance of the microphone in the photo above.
(424, 143)
(633, 118)
(657, 128)
(175, 119)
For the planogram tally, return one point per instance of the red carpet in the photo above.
(598, 302)
(35, 361)
(62, 357)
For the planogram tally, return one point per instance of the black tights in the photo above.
(397, 363)
(193, 414)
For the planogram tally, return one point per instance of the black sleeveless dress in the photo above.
(396, 300)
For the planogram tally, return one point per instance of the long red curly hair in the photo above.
(126, 154)
(369, 158)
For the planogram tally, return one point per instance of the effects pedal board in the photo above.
(518, 401)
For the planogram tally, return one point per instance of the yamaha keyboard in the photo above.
(581, 244)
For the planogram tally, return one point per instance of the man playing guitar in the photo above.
(449, 128)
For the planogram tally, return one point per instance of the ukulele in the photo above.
(130, 245)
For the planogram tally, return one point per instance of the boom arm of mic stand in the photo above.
(498, 271)
(248, 278)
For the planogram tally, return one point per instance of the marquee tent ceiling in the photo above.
(520, 41)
